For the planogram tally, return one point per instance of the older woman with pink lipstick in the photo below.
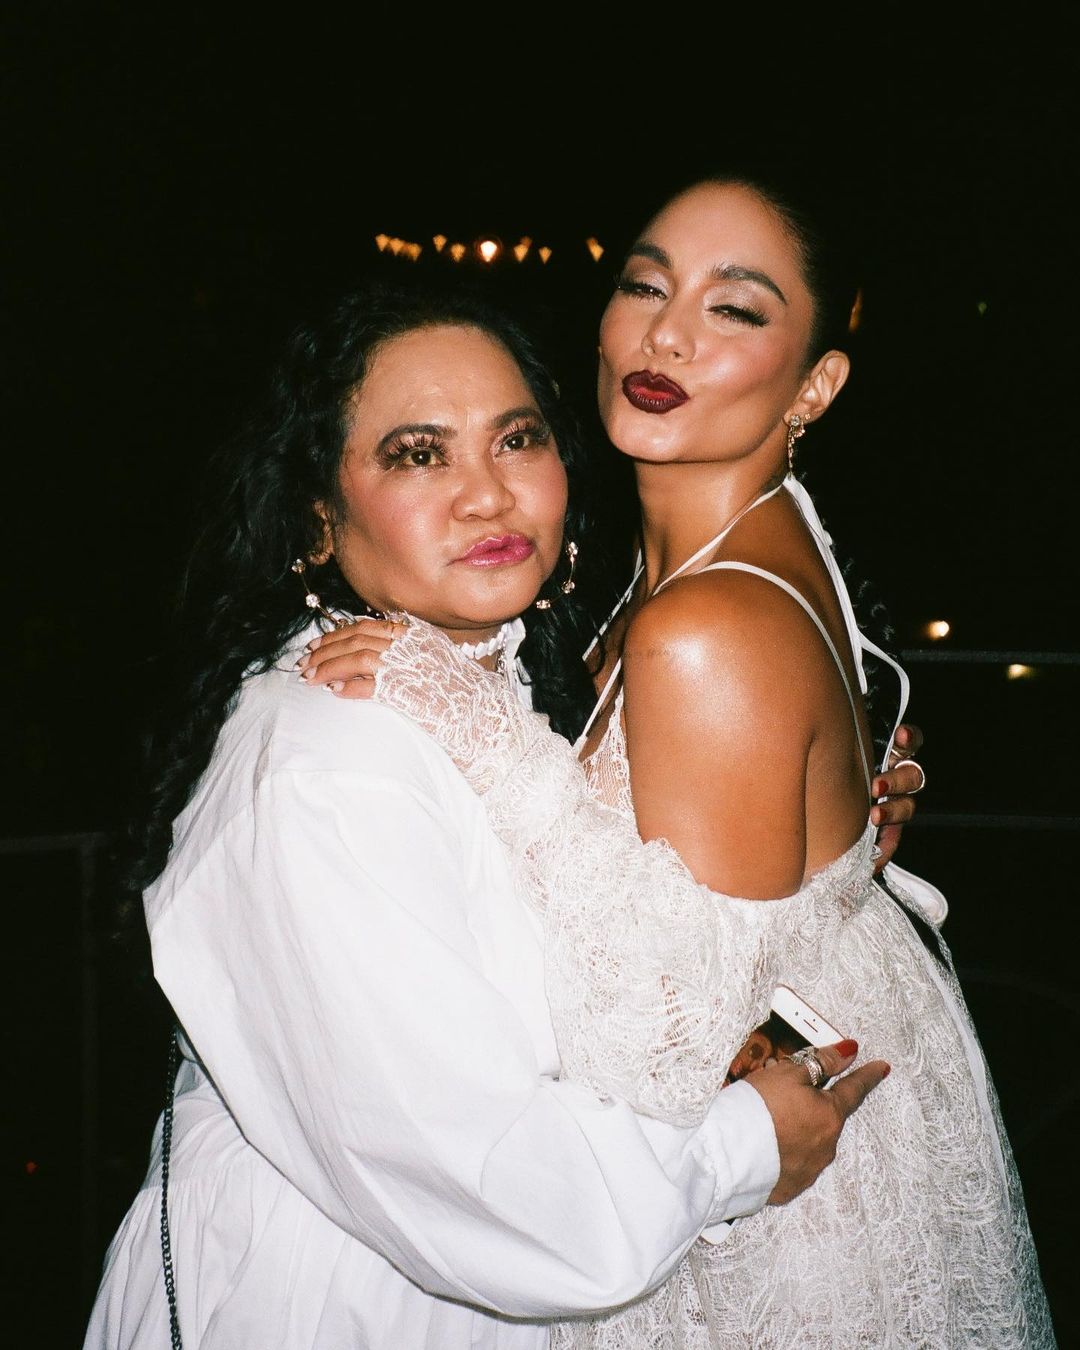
(371, 1141)
(729, 725)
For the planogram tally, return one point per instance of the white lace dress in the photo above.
(917, 1235)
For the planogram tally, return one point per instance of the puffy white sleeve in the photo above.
(322, 958)
(654, 981)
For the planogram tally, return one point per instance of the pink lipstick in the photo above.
(498, 550)
(653, 393)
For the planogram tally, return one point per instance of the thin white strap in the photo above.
(905, 690)
(823, 540)
(611, 617)
(859, 641)
(717, 538)
(601, 702)
(801, 600)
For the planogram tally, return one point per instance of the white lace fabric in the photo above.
(621, 918)
(916, 1236)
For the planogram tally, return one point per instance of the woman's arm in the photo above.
(346, 659)
(323, 958)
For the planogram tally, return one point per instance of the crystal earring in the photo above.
(567, 586)
(311, 599)
(795, 428)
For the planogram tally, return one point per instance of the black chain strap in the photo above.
(166, 1150)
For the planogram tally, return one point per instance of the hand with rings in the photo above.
(808, 1057)
(807, 1121)
(894, 791)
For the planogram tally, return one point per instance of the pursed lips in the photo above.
(653, 393)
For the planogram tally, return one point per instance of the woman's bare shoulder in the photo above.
(729, 618)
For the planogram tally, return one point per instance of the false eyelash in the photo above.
(391, 454)
(742, 314)
(643, 288)
(537, 428)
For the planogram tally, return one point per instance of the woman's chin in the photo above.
(643, 436)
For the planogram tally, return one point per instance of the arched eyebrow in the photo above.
(721, 272)
(513, 415)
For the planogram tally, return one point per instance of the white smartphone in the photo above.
(806, 1024)
(792, 1025)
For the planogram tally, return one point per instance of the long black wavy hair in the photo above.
(240, 603)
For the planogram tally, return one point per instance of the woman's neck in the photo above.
(684, 505)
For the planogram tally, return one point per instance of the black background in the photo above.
(180, 192)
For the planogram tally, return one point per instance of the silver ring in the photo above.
(808, 1058)
(900, 763)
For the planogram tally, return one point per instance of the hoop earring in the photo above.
(795, 428)
(311, 599)
(571, 551)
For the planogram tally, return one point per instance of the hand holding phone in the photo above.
(792, 1025)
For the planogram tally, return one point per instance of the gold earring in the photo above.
(567, 586)
(795, 428)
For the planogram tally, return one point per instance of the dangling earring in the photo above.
(795, 428)
(567, 586)
(311, 599)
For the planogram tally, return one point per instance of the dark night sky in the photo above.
(183, 192)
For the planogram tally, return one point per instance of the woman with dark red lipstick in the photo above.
(730, 721)
(730, 724)
(369, 1141)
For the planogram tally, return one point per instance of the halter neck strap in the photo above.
(860, 643)
(707, 548)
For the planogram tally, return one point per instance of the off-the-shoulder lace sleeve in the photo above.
(654, 981)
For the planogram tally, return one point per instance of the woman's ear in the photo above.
(325, 548)
(822, 385)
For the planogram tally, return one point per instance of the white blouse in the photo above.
(372, 1144)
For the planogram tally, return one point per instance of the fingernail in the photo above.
(848, 1047)
(336, 686)
(888, 1070)
(302, 662)
(307, 674)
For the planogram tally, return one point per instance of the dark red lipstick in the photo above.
(653, 393)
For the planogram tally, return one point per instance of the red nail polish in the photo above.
(888, 1070)
(848, 1047)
